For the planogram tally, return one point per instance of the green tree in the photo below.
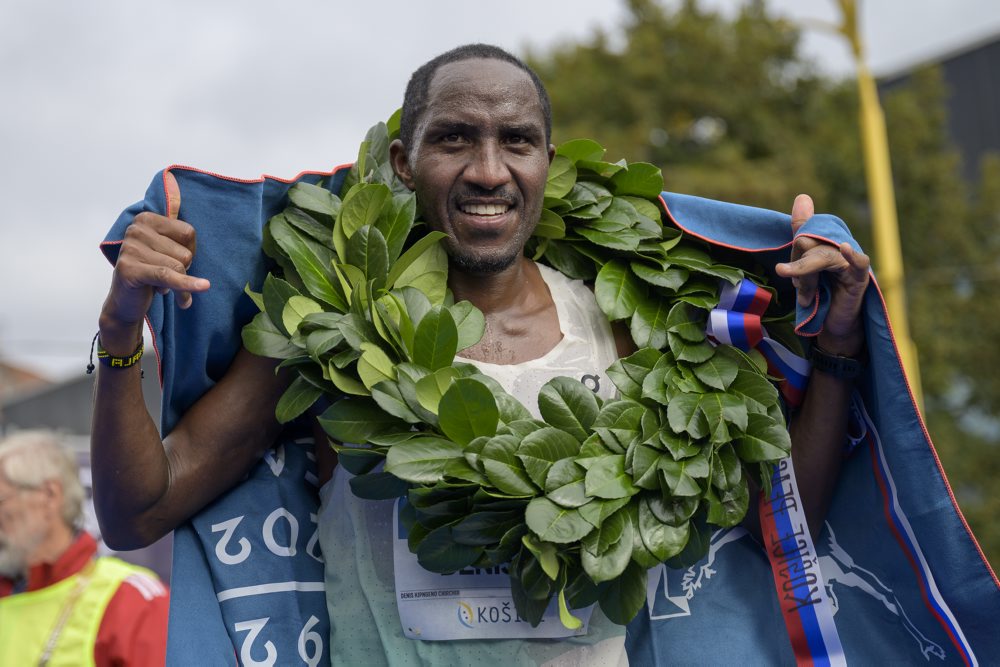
(730, 109)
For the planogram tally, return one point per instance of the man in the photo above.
(59, 602)
(475, 146)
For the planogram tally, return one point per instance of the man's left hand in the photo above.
(847, 270)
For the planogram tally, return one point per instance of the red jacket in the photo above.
(134, 628)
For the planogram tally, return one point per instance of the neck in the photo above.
(54, 545)
(495, 292)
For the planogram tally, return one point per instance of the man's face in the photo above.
(24, 518)
(479, 162)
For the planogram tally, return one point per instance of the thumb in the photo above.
(173, 192)
(802, 210)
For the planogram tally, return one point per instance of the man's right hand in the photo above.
(155, 255)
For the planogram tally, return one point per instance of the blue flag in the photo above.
(906, 578)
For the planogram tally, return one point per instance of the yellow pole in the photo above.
(882, 199)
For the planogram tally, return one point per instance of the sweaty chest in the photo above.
(510, 339)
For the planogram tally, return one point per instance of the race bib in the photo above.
(473, 603)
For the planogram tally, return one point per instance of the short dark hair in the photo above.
(415, 99)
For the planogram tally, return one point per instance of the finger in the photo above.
(802, 210)
(822, 257)
(173, 191)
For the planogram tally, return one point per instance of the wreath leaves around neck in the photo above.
(581, 503)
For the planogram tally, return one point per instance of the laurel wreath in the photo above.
(581, 503)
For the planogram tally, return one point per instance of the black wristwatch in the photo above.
(842, 368)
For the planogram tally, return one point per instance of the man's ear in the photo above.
(401, 163)
(552, 152)
(53, 490)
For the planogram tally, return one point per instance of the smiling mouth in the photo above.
(484, 210)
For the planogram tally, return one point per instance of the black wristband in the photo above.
(834, 365)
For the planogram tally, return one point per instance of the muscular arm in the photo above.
(819, 429)
(143, 488)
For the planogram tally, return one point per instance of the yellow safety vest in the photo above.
(28, 619)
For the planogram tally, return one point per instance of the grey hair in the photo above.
(28, 459)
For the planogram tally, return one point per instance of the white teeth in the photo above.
(485, 209)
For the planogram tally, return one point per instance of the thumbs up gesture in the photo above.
(155, 255)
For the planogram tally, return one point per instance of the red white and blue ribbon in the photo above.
(736, 321)
(798, 581)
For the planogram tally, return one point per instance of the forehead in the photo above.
(484, 92)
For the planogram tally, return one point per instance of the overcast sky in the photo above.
(98, 96)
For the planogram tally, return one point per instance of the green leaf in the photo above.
(624, 596)
(470, 323)
(357, 460)
(581, 149)
(390, 398)
(607, 478)
(568, 405)
(297, 398)
(550, 225)
(561, 178)
(312, 261)
(396, 225)
(681, 477)
(663, 540)
(362, 205)
(374, 366)
(645, 466)
(597, 510)
(673, 512)
(307, 224)
(483, 529)
(719, 371)
(686, 322)
(366, 250)
(685, 417)
(616, 536)
(640, 179)
(629, 373)
(317, 201)
(504, 470)
(467, 411)
(648, 324)
(295, 310)
(540, 449)
(553, 523)
(421, 460)
(262, 338)
(564, 485)
(346, 382)
(671, 279)
(432, 387)
(617, 291)
(354, 420)
(545, 553)
(256, 297)
(378, 486)
(764, 440)
(757, 392)
(439, 552)
(422, 254)
(435, 341)
(275, 294)
(565, 617)
(625, 239)
(728, 508)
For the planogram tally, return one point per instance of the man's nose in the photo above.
(488, 168)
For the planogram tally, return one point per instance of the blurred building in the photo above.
(29, 401)
(972, 74)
